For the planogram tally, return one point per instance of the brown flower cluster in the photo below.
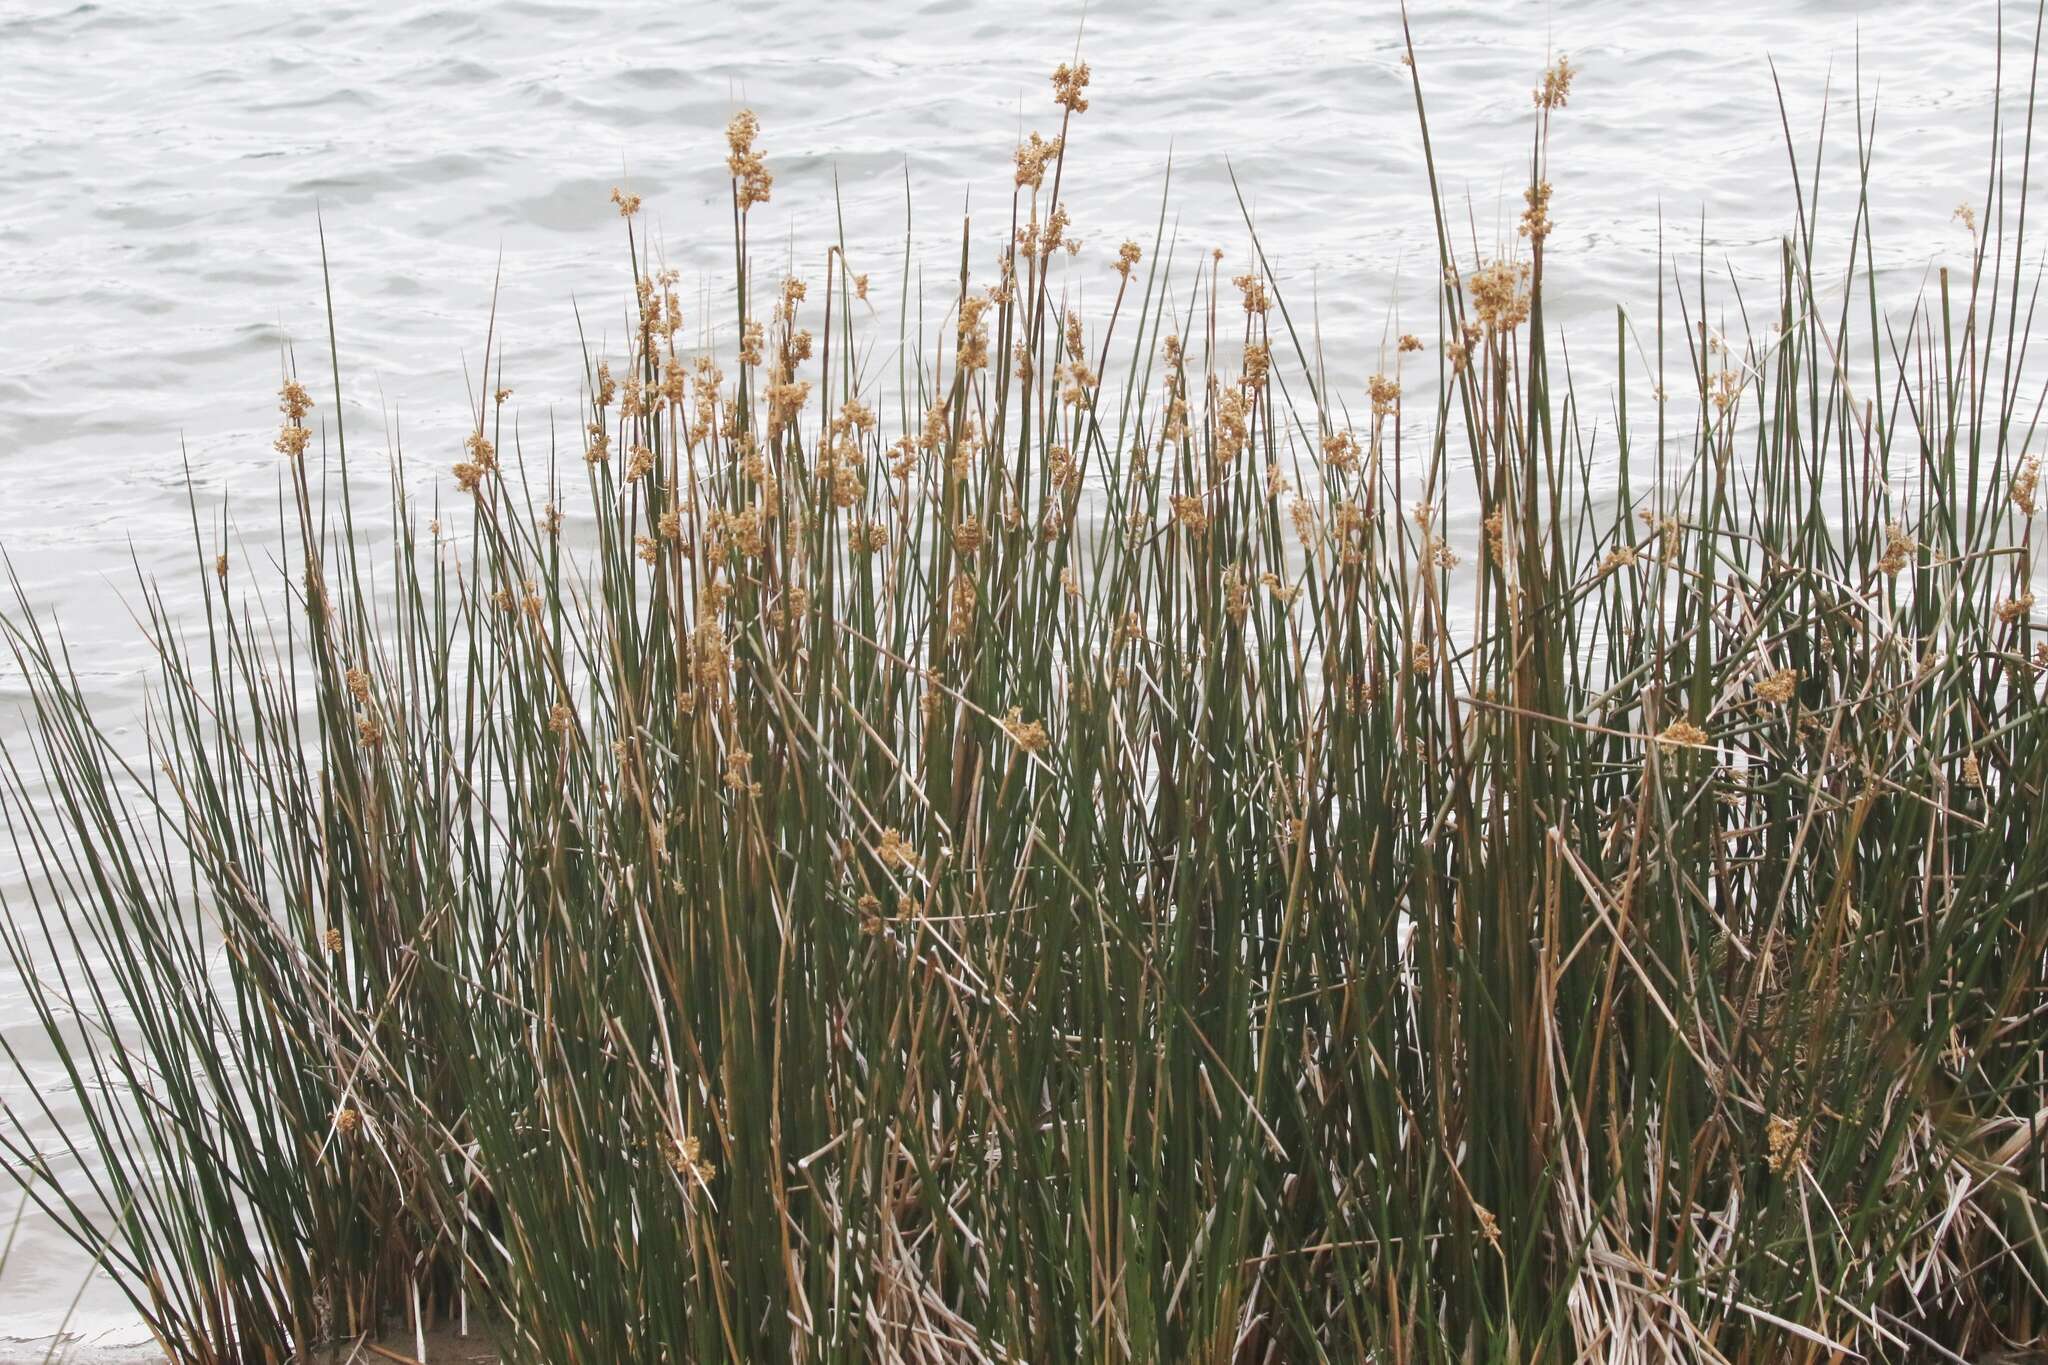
(751, 180)
(295, 404)
(1557, 84)
(1067, 84)
(1028, 735)
(1033, 156)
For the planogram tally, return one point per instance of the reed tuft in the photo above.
(1097, 865)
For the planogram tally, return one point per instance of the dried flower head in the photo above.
(1682, 734)
(629, 204)
(1253, 289)
(2024, 484)
(1067, 84)
(293, 401)
(332, 940)
(1489, 1226)
(751, 180)
(1557, 84)
(973, 332)
(1127, 256)
(686, 1159)
(735, 776)
(1232, 426)
(1385, 395)
(1779, 687)
(1536, 218)
(1498, 297)
(1340, 451)
(1029, 736)
(960, 607)
(1899, 549)
(1033, 156)
(1782, 1138)
(893, 851)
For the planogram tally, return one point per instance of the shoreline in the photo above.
(443, 1347)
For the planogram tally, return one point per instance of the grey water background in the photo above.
(162, 166)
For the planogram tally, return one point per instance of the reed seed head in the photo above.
(1536, 217)
(1032, 157)
(1899, 549)
(1385, 394)
(294, 402)
(1340, 452)
(1028, 735)
(2024, 486)
(894, 852)
(1498, 296)
(686, 1159)
(751, 179)
(1253, 290)
(1067, 84)
(1557, 84)
(1682, 734)
(1781, 1136)
(1779, 687)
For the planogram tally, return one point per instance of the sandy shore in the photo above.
(442, 1348)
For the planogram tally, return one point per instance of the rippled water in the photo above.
(163, 168)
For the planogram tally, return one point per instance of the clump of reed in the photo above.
(1090, 868)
